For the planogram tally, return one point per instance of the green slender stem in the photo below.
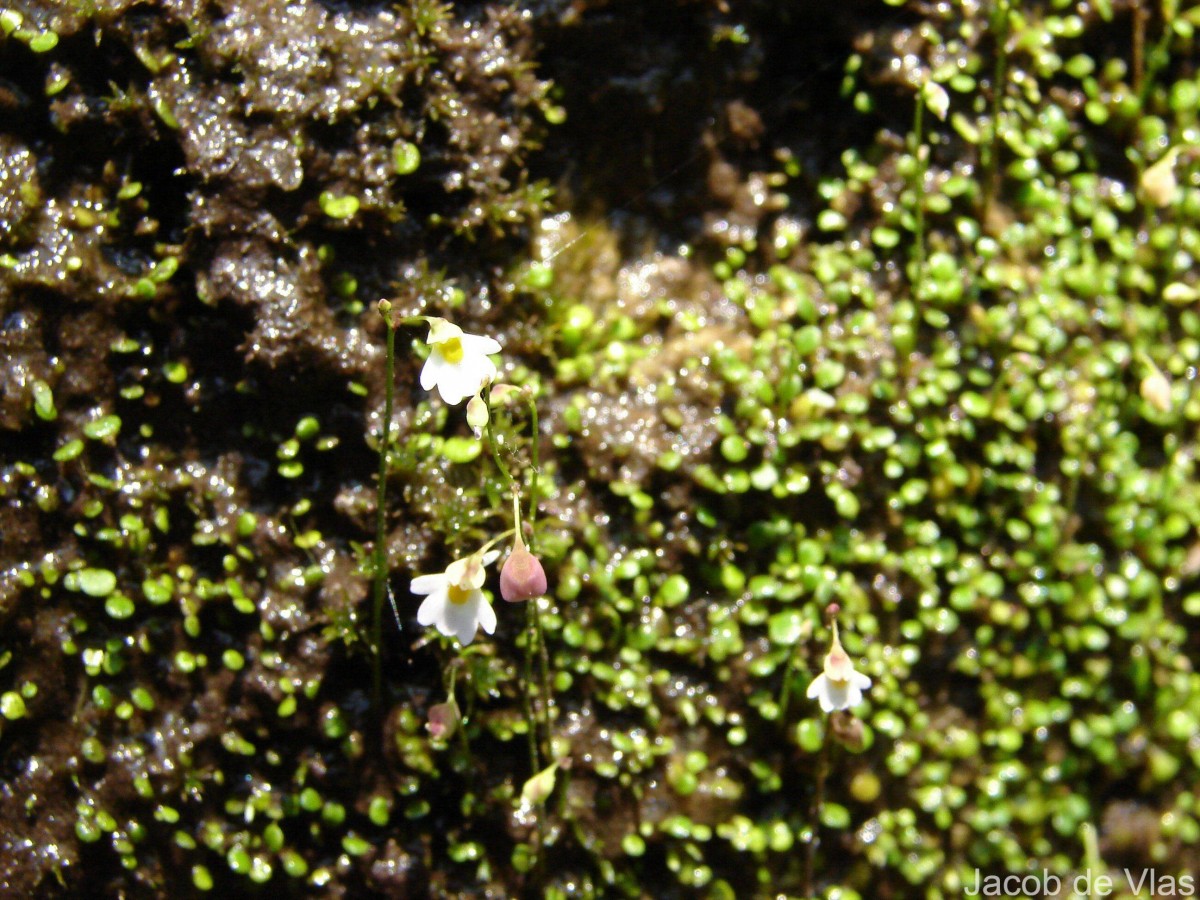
(1138, 51)
(920, 153)
(502, 536)
(530, 707)
(380, 562)
(785, 690)
(491, 434)
(531, 718)
(547, 697)
(534, 465)
(464, 719)
(543, 653)
(988, 154)
(810, 854)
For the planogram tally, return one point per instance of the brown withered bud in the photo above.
(847, 730)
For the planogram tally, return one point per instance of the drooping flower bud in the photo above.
(443, 720)
(535, 791)
(504, 394)
(1156, 390)
(936, 99)
(847, 730)
(477, 414)
(522, 576)
(1159, 184)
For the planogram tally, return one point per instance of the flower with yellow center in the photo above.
(840, 686)
(458, 363)
(454, 600)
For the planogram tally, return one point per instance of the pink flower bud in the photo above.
(522, 577)
(443, 720)
(504, 394)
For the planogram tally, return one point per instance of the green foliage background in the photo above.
(795, 339)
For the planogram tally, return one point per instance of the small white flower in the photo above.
(458, 362)
(455, 601)
(839, 686)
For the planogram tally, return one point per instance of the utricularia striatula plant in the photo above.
(457, 603)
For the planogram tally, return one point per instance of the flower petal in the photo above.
(461, 619)
(466, 574)
(433, 610)
(487, 615)
(836, 695)
(817, 687)
(455, 384)
(480, 345)
(469, 377)
(853, 696)
(440, 330)
(427, 584)
(434, 363)
(484, 369)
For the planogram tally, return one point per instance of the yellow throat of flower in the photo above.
(457, 595)
(451, 350)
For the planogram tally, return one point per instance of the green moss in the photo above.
(906, 376)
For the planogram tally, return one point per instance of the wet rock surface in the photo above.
(681, 220)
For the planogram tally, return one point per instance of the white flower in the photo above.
(458, 362)
(455, 601)
(839, 686)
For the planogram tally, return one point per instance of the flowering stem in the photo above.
(502, 536)
(491, 433)
(533, 458)
(988, 154)
(530, 712)
(380, 561)
(516, 497)
(785, 689)
(543, 653)
(547, 697)
(810, 853)
(921, 155)
(531, 718)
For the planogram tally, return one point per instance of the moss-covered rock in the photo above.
(887, 307)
